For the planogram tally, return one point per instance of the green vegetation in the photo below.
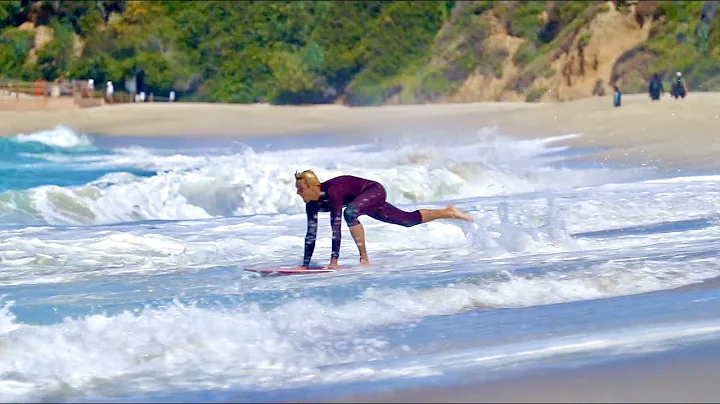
(14, 50)
(359, 52)
(677, 45)
(396, 39)
(457, 51)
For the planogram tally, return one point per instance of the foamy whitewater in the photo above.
(122, 266)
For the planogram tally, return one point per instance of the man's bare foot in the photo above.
(364, 262)
(452, 210)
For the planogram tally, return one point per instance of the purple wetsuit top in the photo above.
(360, 197)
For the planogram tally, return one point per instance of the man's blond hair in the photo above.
(308, 176)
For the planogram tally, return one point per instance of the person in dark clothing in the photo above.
(360, 197)
(679, 89)
(617, 96)
(655, 88)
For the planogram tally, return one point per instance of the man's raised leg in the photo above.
(450, 212)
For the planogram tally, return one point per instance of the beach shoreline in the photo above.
(675, 134)
(685, 374)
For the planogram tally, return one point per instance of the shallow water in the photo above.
(121, 266)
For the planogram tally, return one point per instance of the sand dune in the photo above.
(672, 133)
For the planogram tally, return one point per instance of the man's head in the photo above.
(307, 185)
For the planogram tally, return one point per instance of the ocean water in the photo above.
(122, 266)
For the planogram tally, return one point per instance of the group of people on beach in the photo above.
(656, 89)
(677, 90)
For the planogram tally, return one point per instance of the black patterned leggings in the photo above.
(372, 202)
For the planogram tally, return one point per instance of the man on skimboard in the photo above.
(360, 197)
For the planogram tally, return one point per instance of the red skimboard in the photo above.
(289, 271)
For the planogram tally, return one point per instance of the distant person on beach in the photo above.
(655, 88)
(109, 90)
(617, 96)
(172, 96)
(360, 197)
(679, 89)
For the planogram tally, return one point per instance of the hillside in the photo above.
(364, 53)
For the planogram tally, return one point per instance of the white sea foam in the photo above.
(89, 286)
(502, 229)
(183, 346)
(249, 182)
(60, 136)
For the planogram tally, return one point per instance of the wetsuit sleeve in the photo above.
(335, 222)
(311, 209)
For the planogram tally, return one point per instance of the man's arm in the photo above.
(311, 209)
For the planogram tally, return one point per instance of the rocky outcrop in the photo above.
(43, 36)
(586, 68)
(582, 63)
(490, 87)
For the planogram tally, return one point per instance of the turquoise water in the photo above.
(121, 266)
(24, 166)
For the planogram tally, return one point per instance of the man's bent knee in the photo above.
(413, 218)
(351, 217)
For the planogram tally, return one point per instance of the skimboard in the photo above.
(289, 271)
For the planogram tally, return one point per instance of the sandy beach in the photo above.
(675, 134)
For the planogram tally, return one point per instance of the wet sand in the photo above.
(676, 134)
(683, 375)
